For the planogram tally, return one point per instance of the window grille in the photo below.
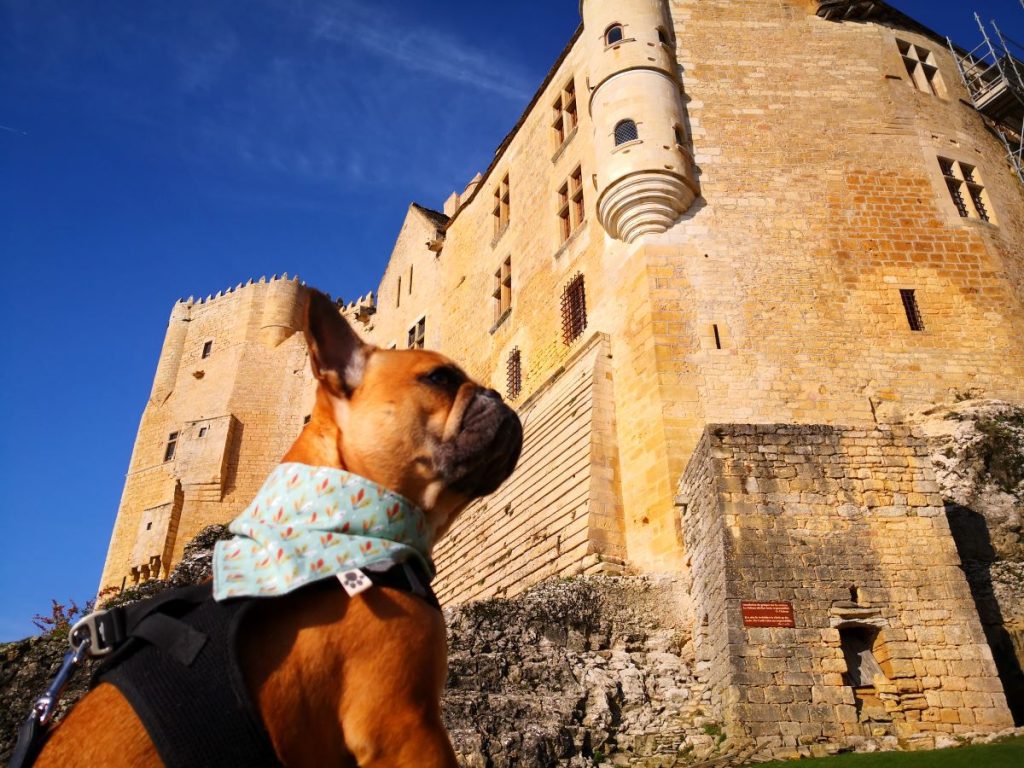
(625, 131)
(514, 374)
(911, 308)
(574, 309)
(172, 444)
(502, 293)
(965, 189)
(613, 34)
(417, 334)
(207, 349)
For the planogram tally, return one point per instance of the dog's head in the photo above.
(409, 420)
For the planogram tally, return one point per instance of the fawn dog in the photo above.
(338, 679)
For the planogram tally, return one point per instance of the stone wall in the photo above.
(559, 513)
(846, 526)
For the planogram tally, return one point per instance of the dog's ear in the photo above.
(337, 354)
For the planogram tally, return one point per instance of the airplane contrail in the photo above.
(13, 130)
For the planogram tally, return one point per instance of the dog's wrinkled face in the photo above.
(411, 421)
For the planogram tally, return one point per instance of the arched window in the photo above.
(613, 34)
(625, 130)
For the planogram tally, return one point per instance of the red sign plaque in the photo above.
(767, 614)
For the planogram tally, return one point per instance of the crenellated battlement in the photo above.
(192, 301)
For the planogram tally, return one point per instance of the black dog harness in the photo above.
(175, 659)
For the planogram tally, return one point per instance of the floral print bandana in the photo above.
(309, 523)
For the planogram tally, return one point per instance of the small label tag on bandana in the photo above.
(354, 582)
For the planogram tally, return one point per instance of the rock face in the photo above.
(977, 449)
(577, 672)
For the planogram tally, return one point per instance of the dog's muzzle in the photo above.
(485, 451)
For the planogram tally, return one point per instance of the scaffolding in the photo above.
(994, 75)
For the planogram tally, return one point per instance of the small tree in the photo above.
(62, 617)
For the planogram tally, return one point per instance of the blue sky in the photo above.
(174, 147)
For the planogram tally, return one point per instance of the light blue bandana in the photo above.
(309, 523)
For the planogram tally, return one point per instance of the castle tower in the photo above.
(645, 177)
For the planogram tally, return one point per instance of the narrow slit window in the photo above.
(502, 293)
(172, 445)
(613, 34)
(502, 205)
(571, 208)
(514, 374)
(910, 307)
(574, 309)
(410, 280)
(207, 349)
(662, 36)
(625, 131)
(718, 336)
(398, 293)
(203, 431)
(680, 135)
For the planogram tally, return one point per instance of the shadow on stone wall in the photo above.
(977, 555)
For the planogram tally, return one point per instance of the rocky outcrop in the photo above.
(977, 450)
(578, 672)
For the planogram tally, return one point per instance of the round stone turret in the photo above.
(645, 177)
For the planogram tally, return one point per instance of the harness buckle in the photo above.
(98, 631)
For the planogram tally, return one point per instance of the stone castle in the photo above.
(728, 247)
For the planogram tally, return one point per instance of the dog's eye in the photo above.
(445, 377)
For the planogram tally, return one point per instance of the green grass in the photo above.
(1006, 754)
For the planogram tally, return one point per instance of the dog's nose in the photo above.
(493, 394)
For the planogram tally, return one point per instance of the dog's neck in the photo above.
(319, 442)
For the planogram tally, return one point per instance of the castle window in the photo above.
(922, 68)
(570, 204)
(680, 135)
(911, 308)
(718, 336)
(203, 431)
(207, 349)
(398, 293)
(565, 116)
(966, 189)
(514, 374)
(574, 309)
(625, 131)
(307, 418)
(662, 36)
(502, 294)
(501, 206)
(417, 334)
(172, 444)
(410, 280)
(613, 34)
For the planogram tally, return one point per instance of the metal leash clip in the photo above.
(46, 705)
(99, 629)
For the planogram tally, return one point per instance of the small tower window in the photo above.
(911, 308)
(625, 131)
(417, 334)
(398, 293)
(203, 431)
(680, 135)
(662, 36)
(514, 373)
(207, 349)
(574, 309)
(172, 444)
(613, 34)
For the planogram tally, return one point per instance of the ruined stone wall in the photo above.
(847, 526)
